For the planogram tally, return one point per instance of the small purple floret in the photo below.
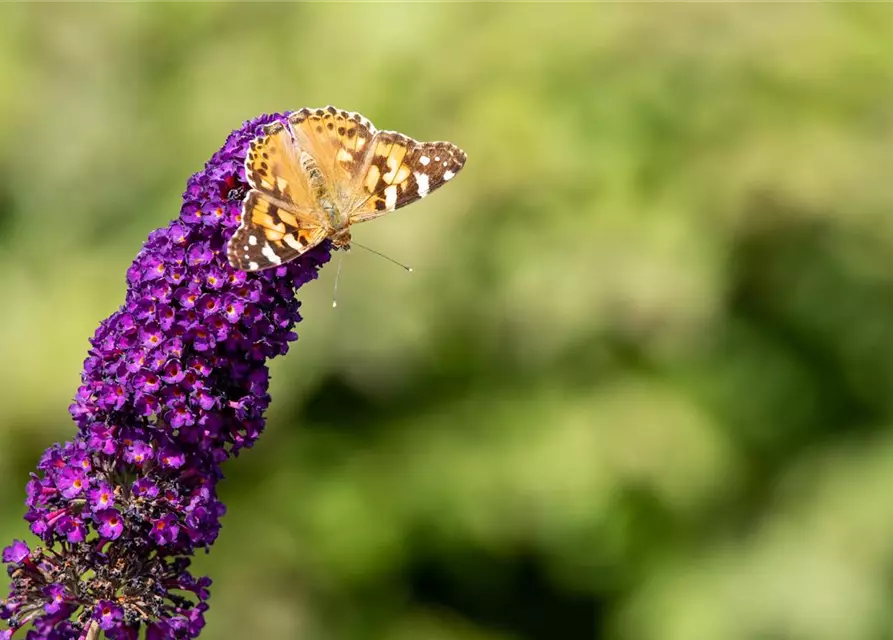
(108, 614)
(71, 482)
(111, 525)
(165, 530)
(102, 497)
(56, 598)
(16, 552)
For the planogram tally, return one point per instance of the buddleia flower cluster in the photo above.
(174, 385)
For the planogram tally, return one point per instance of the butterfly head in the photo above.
(341, 239)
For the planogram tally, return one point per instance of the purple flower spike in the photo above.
(174, 384)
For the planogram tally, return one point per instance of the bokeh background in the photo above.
(640, 384)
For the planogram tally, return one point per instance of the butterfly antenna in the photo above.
(337, 279)
(388, 258)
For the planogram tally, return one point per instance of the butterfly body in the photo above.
(338, 221)
(323, 170)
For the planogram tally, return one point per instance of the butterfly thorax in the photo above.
(338, 221)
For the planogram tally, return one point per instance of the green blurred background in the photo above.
(640, 385)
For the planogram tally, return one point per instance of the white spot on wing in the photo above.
(388, 176)
(269, 254)
(390, 197)
(424, 160)
(246, 247)
(253, 266)
(291, 241)
(252, 240)
(422, 180)
(448, 174)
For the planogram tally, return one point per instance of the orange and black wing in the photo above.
(280, 219)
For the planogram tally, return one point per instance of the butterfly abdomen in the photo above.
(320, 191)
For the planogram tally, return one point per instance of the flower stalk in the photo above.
(92, 631)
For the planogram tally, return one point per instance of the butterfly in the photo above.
(323, 170)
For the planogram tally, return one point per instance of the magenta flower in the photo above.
(111, 525)
(16, 552)
(71, 482)
(145, 488)
(172, 373)
(72, 528)
(101, 498)
(171, 458)
(108, 614)
(174, 384)
(165, 530)
(56, 598)
(151, 336)
(138, 452)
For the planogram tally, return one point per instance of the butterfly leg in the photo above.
(341, 239)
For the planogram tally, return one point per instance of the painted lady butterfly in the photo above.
(322, 171)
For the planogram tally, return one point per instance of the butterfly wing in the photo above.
(270, 236)
(398, 170)
(371, 172)
(280, 219)
(365, 172)
(338, 141)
